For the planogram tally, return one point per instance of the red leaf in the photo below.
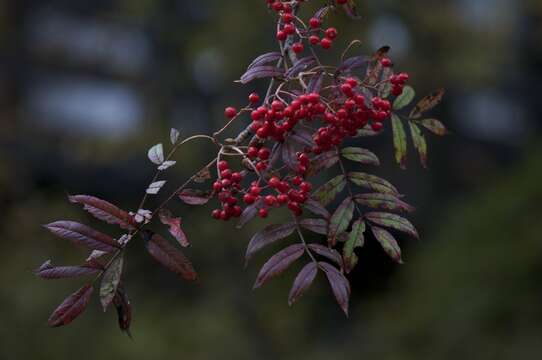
(105, 211)
(168, 255)
(194, 197)
(174, 227)
(71, 307)
(47, 271)
(267, 236)
(302, 282)
(80, 234)
(278, 263)
(339, 285)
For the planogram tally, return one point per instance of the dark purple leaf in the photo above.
(168, 255)
(322, 162)
(316, 208)
(80, 234)
(392, 221)
(47, 271)
(302, 282)
(339, 285)
(322, 12)
(278, 263)
(353, 63)
(194, 197)
(267, 236)
(289, 154)
(124, 309)
(315, 83)
(302, 136)
(249, 213)
(105, 211)
(301, 65)
(259, 72)
(167, 218)
(265, 59)
(110, 281)
(71, 307)
(318, 226)
(328, 253)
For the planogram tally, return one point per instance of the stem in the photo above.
(302, 238)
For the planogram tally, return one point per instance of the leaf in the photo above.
(168, 255)
(435, 126)
(278, 263)
(329, 191)
(405, 98)
(259, 72)
(288, 154)
(194, 197)
(300, 65)
(367, 131)
(355, 240)
(315, 83)
(328, 253)
(174, 223)
(383, 201)
(156, 154)
(166, 165)
(174, 136)
(322, 162)
(360, 155)
(155, 187)
(340, 220)
(427, 103)
(267, 236)
(105, 211)
(124, 309)
(71, 307)
(419, 143)
(110, 281)
(399, 141)
(353, 63)
(47, 271)
(302, 282)
(392, 221)
(350, 9)
(249, 213)
(203, 175)
(388, 243)
(339, 285)
(265, 59)
(302, 136)
(316, 208)
(318, 226)
(80, 234)
(374, 70)
(372, 182)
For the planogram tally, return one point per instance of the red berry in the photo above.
(305, 187)
(331, 33)
(342, 2)
(377, 126)
(315, 23)
(326, 43)
(274, 182)
(282, 199)
(216, 214)
(255, 190)
(386, 62)
(261, 166)
(226, 174)
(223, 165)
(249, 199)
(347, 89)
(270, 200)
(263, 213)
(264, 153)
(281, 35)
(254, 98)
(294, 207)
(252, 152)
(298, 47)
(237, 211)
(230, 112)
(297, 180)
(236, 177)
(289, 29)
(226, 183)
(217, 186)
(287, 18)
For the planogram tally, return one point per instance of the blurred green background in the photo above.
(87, 86)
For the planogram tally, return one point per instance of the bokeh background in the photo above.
(87, 86)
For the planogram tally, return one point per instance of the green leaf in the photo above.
(329, 191)
(355, 240)
(419, 143)
(388, 243)
(392, 221)
(360, 155)
(366, 132)
(340, 220)
(383, 201)
(373, 183)
(435, 126)
(405, 98)
(110, 281)
(399, 141)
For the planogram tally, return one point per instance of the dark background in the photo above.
(87, 86)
